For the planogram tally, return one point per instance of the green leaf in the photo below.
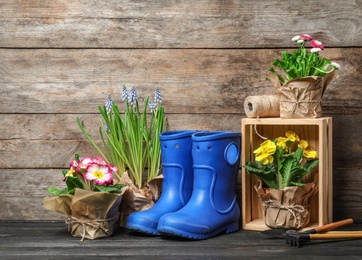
(110, 189)
(286, 171)
(309, 165)
(298, 155)
(266, 174)
(56, 192)
(73, 182)
(296, 183)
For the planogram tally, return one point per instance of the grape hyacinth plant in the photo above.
(130, 140)
(302, 63)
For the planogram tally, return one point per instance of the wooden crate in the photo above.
(318, 133)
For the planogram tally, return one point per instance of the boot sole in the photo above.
(169, 231)
(142, 229)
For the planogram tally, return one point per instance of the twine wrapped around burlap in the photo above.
(287, 208)
(89, 214)
(262, 106)
(301, 98)
(135, 199)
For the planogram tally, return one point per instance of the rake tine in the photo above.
(294, 238)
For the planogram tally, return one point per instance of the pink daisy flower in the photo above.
(306, 37)
(316, 44)
(100, 174)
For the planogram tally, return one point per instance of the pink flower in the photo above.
(85, 162)
(100, 160)
(100, 174)
(74, 164)
(113, 168)
(306, 37)
(316, 44)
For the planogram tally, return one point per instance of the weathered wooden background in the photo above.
(61, 59)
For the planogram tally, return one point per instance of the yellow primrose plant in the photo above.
(283, 162)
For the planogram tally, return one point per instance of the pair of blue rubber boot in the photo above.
(198, 197)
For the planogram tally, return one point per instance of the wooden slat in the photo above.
(51, 140)
(22, 200)
(347, 193)
(44, 127)
(42, 154)
(192, 81)
(63, 138)
(176, 24)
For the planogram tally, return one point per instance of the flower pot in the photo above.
(94, 214)
(89, 214)
(287, 208)
(137, 199)
(301, 97)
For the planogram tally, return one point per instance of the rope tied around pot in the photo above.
(96, 224)
(294, 209)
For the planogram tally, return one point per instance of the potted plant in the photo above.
(301, 78)
(284, 168)
(91, 198)
(130, 140)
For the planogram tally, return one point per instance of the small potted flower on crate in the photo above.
(284, 168)
(91, 198)
(130, 141)
(301, 78)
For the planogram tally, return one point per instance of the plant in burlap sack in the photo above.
(90, 199)
(301, 78)
(282, 166)
(130, 140)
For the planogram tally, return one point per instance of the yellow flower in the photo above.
(303, 144)
(264, 153)
(281, 142)
(70, 173)
(308, 152)
(291, 136)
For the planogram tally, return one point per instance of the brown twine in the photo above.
(292, 209)
(262, 106)
(256, 131)
(97, 224)
(296, 103)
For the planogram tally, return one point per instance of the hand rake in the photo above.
(294, 238)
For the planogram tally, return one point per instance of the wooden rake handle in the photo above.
(334, 225)
(335, 235)
(343, 232)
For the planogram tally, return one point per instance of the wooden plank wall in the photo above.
(61, 59)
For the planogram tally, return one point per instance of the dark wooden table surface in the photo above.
(45, 240)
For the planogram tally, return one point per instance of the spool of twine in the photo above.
(262, 106)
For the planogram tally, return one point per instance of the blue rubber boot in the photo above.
(212, 208)
(176, 154)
